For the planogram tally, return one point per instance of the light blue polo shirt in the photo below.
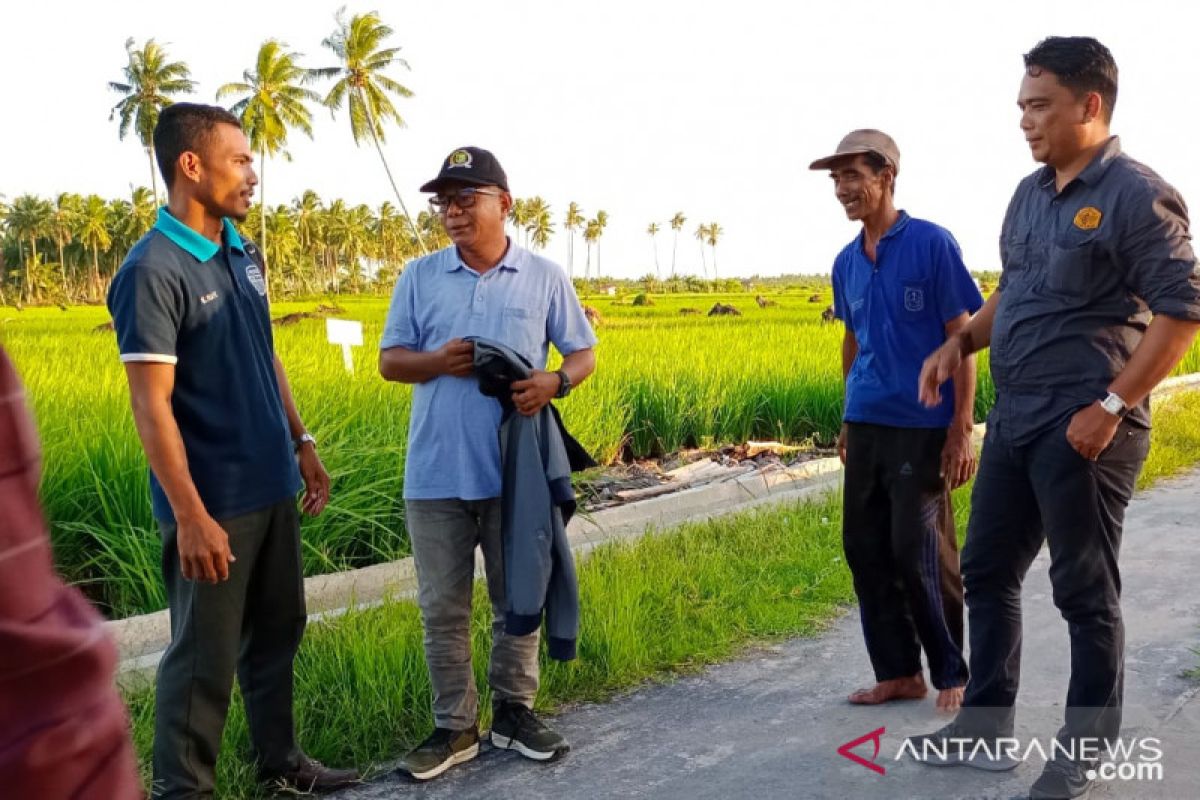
(526, 302)
(897, 308)
(182, 299)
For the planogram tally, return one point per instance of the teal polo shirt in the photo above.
(184, 300)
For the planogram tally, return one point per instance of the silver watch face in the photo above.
(1113, 405)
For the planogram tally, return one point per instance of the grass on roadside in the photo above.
(665, 603)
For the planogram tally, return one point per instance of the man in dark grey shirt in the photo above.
(1098, 301)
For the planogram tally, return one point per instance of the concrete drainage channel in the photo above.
(142, 639)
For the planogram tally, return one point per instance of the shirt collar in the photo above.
(199, 247)
(512, 259)
(897, 227)
(1092, 172)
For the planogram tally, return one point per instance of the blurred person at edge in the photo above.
(63, 730)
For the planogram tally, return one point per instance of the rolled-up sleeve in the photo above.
(147, 307)
(567, 326)
(1157, 248)
(400, 327)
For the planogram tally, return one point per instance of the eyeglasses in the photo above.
(463, 198)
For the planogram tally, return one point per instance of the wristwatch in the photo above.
(300, 441)
(1114, 405)
(564, 385)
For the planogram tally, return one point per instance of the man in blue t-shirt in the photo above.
(900, 288)
(221, 432)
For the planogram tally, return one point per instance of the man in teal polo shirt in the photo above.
(221, 432)
(900, 287)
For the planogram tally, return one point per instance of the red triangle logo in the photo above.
(847, 750)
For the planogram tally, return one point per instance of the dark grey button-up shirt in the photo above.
(1084, 270)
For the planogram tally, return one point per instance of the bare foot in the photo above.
(910, 688)
(950, 700)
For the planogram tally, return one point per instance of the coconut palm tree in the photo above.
(151, 82)
(601, 223)
(67, 208)
(363, 85)
(541, 224)
(92, 231)
(29, 219)
(574, 219)
(142, 214)
(519, 216)
(591, 235)
(273, 103)
(652, 230)
(714, 233)
(702, 235)
(677, 222)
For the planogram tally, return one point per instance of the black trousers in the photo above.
(252, 624)
(898, 535)
(1024, 495)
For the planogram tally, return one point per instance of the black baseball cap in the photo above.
(472, 165)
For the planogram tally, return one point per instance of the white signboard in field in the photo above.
(347, 333)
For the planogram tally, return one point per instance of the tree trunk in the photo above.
(153, 175)
(262, 203)
(95, 270)
(391, 180)
(703, 260)
(674, 247)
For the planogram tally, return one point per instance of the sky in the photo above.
(642, 109)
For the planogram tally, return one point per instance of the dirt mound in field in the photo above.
(319, 312)
(722, 310)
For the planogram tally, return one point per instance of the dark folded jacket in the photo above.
(537, 457)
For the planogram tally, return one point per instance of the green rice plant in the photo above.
(665, 381)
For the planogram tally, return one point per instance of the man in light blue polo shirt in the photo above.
(900, 288)
(483, 286)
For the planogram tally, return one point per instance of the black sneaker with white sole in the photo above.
(440, 751)
(1063, 779)
(953, 746)
(515, 727)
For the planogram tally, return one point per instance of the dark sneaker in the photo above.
(515, 727)
(1063, 779)
(439, 752)
(310, 776)
(952, 746)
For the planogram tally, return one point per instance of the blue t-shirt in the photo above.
(182, 299)
(897, 309)
(525, 302)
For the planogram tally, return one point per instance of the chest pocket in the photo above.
(518, 313)
(1071, 270)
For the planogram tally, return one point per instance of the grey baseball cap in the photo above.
(860, 142)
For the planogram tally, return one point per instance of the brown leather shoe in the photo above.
(311, 777)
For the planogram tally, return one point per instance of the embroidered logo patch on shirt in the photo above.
(914, 299)
(256, 279)
(1088, 218)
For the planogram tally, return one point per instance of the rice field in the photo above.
(665, 380)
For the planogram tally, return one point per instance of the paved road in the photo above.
(769, 725)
